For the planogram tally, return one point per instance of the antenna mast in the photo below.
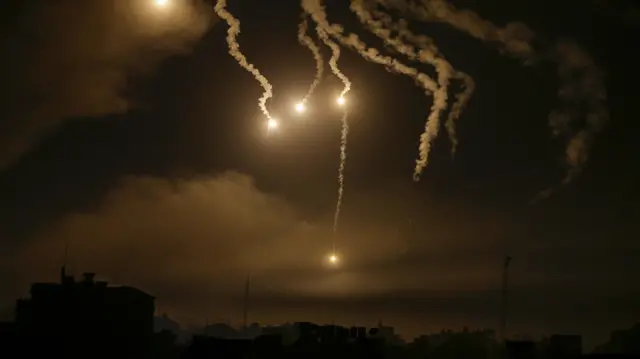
(247, 287)
(503, 308)
(63, 270)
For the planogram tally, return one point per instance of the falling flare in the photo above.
(272, 124)
(318, 14)
(584, 113)
(333, 64)
(300, 107)
(234, 50)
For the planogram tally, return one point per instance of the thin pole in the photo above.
(505, 288)
(63, 270)
(246, 300)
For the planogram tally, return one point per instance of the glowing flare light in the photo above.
(272, 124)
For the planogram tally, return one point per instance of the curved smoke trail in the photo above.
(440, 92)
(436, 58)
(234, 50)
(333, 61)
(382, 25)
(461, 100)
(317, 12)
(304, 39)
(582, 92)
(315, 9)
(582, 89)
(333, 64)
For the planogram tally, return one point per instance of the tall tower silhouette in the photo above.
(505, 292)
(63, 268)
(247, 288)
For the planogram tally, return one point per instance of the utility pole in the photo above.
(247, 287)
(503, 308)
(63, 269)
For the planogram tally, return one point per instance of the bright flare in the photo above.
(272, 124)
(161, 3)
(340, 100)
(300, 107)
(333, 259)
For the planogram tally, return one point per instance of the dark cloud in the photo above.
(192, 243)
(202, 236)
(65, 58)
(624, 12)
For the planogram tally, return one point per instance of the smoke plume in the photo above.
(317, 12)
(315, 9)
(343, 160)
(333, 64)
(333, 61)
(583, 113)
(461, 100)
(305, 40)
(430, 54)
(234, 50)
(440, 92)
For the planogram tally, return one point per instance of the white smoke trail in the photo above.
(305, 40)
(333, 61)
(343, 160)
(582, 88)
(234, 50)
(315, 9)
(333, 64)
(462, 98)
(461, 101)
(317, 12)
(382, 24)
(440, 93)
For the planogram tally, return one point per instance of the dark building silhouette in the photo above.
(622, 342)
(85, 318)
(311, 341)
(563, 346)
(521, 349)
(8, 336)
(220, 331)
(388, 334)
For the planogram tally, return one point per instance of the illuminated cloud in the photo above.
(79, 57)
(214, 229)
(192, 242)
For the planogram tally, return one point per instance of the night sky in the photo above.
(132, 137)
